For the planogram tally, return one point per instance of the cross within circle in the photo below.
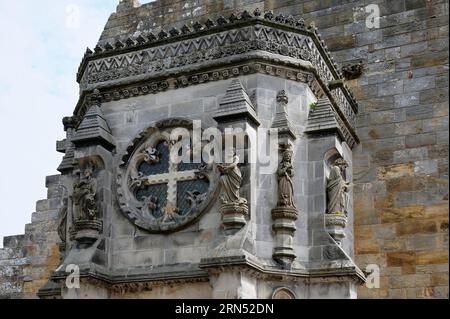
(171, 179)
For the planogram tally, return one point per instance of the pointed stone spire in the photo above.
(94, 129)
(322, 119)
(281, 121)
(236, 104)
(125, 5)
(70, 123)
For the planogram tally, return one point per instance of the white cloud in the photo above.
(40, 57)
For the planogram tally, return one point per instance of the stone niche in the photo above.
(205, 230)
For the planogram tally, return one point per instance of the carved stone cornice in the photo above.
(286, 69)
(173, 59)
(253, 267)
(133, 283)
(150, 40)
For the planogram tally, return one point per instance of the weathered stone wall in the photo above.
(401, 165)
(11, 268)
(27, 261)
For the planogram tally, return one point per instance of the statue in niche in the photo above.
(62, 226)
(285, 173)
(231, 180)
(84, 193)
(337, 188)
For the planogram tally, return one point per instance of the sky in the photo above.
(43, 43)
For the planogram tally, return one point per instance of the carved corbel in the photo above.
(353, 71)
(335, 84)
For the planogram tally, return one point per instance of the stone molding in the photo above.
(291, 71)
(178, 54)
(150, 40)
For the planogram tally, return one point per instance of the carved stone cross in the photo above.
(171, 179)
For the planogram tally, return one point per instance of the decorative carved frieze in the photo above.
(209, 47)
(241, 37)
(147, 38)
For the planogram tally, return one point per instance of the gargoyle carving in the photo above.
(195, 198)
(352, 71)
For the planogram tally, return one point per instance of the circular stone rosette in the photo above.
(156, 192)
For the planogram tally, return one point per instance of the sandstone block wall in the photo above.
(27, 261)
(401, 165)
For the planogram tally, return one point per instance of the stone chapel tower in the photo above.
(137, 224)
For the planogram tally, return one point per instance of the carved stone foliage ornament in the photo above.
(159, 189)
(337, 200)
(234, 208)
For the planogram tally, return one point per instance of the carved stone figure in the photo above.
(150, 205)
(233, 208)
(62, 226)
(231, 180)
(152, 155)
(195, 198)
(285, 173)
(84, 194)
(337, 188)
